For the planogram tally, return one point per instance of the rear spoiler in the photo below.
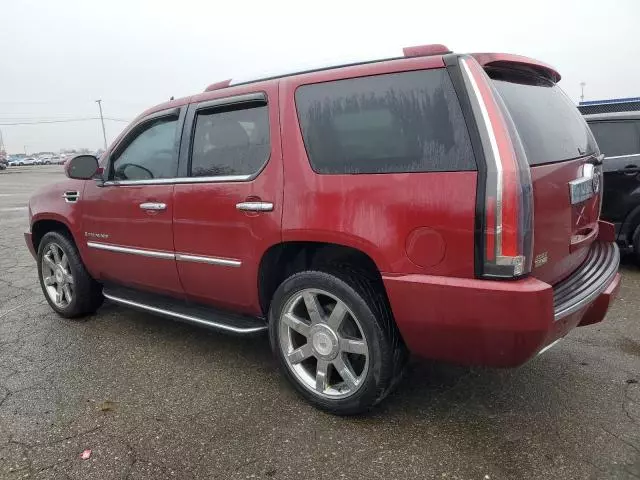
(517, 62)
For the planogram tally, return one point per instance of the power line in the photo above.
(85, 119)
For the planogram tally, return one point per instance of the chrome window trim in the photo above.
(228, 262)
(183, 257)
(182, 316)
(180, 180)
(133, 251)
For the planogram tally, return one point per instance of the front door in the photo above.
(227, 211)
(128, 220)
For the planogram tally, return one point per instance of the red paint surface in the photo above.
(555, 219)
(375, 213)
(115, 211)
(482, 322)
(443, 312)
(206, 222)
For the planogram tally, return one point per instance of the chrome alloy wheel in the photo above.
(323, 344)
(56, 276)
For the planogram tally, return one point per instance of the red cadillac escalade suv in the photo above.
(436, 203)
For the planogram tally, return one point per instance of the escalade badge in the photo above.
(96, 235)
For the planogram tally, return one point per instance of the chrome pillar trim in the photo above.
(227, 262)
(179, 180)
(184, 317)
(255, 206)
(132, 251)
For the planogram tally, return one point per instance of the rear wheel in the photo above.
(335, 340)
(66, 284)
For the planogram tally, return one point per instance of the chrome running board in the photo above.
(184, 312)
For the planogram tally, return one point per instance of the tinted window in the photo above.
(400, 122)
(549, 124)
(150, 154)
(230, 143)
(617, 138)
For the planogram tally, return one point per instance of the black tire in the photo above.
(387, 352)
(87, 293)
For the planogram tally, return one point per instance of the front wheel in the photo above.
(335, 340)
(66, 284)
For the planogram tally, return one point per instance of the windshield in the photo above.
(549, 124)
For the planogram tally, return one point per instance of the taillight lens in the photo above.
(506, 216)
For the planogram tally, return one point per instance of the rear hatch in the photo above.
(563, 159)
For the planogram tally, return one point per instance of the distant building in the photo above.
(609, 106)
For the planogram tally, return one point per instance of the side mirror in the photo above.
(82, 167)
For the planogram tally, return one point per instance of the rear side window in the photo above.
(549, 124)
(617, 139)
(400, 122)
(232, 142)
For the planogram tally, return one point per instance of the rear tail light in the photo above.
(506, 213)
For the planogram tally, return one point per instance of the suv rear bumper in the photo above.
(500, 323)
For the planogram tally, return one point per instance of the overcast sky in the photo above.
(57, 57)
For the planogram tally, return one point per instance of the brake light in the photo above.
(506, 213)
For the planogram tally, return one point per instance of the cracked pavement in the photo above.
(156, 399)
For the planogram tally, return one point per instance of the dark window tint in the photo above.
(230, 142)
(400, 122)
(617, 138)
(549, 124)
(151, 153)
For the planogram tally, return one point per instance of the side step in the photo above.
(183, 311)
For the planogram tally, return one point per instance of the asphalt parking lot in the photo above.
(156, 399)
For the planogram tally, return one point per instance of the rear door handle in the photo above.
(255, 206)
(153, 206)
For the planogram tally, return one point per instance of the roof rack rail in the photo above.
(425, 50)
(218, 85)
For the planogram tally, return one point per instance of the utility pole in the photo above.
(582, 85)
(104, 133)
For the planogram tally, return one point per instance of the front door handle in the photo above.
(153, 206)
(255, 206)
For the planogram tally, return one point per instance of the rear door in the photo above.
(619, 141)
(562, 155)
(228, 206)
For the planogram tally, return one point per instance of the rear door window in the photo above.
(617, 139)
(234, 142)
(548, 122)
(399, 122)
